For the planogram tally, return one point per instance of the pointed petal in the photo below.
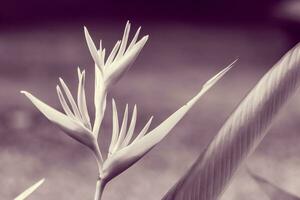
(79, 88)
(113, 53)
(273, 191)
(70, 98)
(123, 130)
(92, 48)
(144, 130)
(64, 103)
(134, 39)
(81, 100)
(218, 76)
(115, 130)
(30, 190)
(131, 128)
(124, 40)
(70, 126)
(100, 46)
(132, 153)
(157, 134)
(119, 67)
(103, 58)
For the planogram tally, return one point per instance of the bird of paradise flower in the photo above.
(75, 121)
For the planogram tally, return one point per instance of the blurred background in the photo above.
(189, 42)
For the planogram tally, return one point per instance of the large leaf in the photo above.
(241, 133)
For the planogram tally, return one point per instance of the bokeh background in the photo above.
(189, 42)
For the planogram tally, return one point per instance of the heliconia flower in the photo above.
(109, 71)
(75, 121)
(123, 153)
(120, 58)
(29, 191)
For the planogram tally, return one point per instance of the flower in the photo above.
(75, 121)
(122, 154)
(110, 71)
(120, 58)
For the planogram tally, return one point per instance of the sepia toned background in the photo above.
(189, 42)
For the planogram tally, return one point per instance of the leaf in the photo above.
(30, 190)
(127, 156)
(272, 191)
(241, 133)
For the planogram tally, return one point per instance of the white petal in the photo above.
(119, 67)
(127, 156)
(81, 99)
(100, 46)
(115, 130)
(134, 39)
(144, 130)
(103, 58)
(92, 48)
(113, 53)
(71, 99)
(123, 130)
(30, 190)
(64, 103)
(69, 125)
(218, 76)
(157, 134)
(124, 40)
(131, 128)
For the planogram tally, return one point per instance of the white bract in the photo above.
(75, 121)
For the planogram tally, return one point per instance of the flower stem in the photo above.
(100, 185)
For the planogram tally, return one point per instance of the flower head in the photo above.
(124, 152)
(120, 58)
(109, 71)
(75, 121)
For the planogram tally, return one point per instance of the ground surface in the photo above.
(176, 61)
